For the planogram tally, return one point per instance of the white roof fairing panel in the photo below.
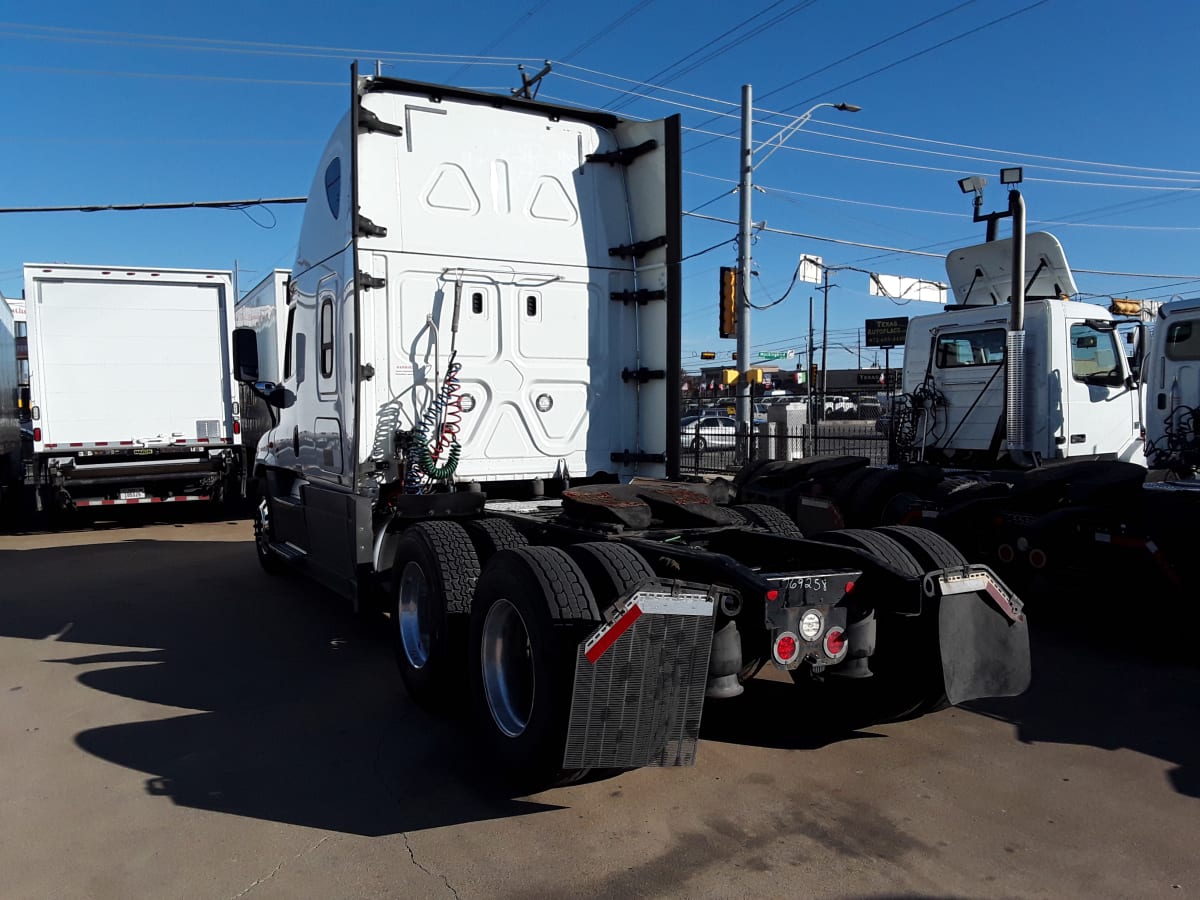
(981, 275)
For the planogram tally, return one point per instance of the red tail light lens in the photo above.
(237, 427)
(836, 643)
(772, 596)
(786, 646)
(37, 434)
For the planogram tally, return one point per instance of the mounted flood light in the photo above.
(1013, 175)
(973, 183)
(847, 107)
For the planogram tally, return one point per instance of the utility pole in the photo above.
(745, 225)
(824, 339)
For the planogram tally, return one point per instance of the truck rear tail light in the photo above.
(1037, 558)
(786, 646)
(772, 596)
(849, 589)
(836, 644)
(37, 434)
(237, 427)
(811, 624)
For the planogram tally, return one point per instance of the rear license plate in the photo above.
(133, 495)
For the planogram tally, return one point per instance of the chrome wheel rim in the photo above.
(508, 679)
(262, 532)
(413, 614)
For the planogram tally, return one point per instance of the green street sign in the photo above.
(773, 354)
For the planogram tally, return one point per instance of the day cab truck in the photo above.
(132, 399)
(1021, 432)
(475, 423)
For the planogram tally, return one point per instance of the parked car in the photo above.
(698, 433)
(837, 407)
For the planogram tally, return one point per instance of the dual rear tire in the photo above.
(516, 622)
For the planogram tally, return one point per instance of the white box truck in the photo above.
(263, 309)
(131, 395)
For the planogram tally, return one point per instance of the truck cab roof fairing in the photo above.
(981, 275)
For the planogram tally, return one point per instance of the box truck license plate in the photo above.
(133, 495)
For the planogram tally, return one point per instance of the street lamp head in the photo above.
(972, 184)
(1014, 175)
(847, 107)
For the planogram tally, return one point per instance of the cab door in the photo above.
(1102, 409)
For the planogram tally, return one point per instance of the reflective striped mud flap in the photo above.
(639, 681)
(983, 634)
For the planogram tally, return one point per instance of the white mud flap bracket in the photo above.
(640, 679)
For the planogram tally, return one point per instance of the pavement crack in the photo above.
(279, 865)
(431, 874)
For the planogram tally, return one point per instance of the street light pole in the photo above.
(745, 177)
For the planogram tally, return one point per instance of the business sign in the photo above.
(878, 377)
(886, 332)
(901, 287)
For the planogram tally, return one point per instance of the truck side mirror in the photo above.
(1139, 352)
(245, 355)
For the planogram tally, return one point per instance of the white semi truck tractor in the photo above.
(475, 424)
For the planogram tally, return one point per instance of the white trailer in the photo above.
(10, 399)
(131, 395)
(263, 309)
(476, 424)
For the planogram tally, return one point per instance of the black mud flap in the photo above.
(640, 679)
(983, 634)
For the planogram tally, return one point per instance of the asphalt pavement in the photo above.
(176, 723)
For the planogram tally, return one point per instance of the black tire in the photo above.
(611, 570)
(433, 578)
(267, 558)
(770, 518)
(490, 536)
(884, 548)
(538, 600)
(930, 549)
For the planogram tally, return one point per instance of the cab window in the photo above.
(1183, 340)
(1095, 356)
(970, 348)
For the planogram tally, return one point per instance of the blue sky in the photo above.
(1096, 100)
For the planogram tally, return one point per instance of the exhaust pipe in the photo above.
(1014, 351)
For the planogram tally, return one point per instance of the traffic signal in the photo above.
(708, 354)
(754, 376)
(729, 376)
(727, 296)
(813, 374)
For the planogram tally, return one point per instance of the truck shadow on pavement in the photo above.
(300, 716)
(1097, 695)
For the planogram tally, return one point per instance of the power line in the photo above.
(503, 35)
(127, 207)
(161, 41)
(795, 8)
(904, 165)
(609, 28)
(901, 61)
(841, 241)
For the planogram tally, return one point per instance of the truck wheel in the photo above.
(267, 558)
(929, 547)
(490, 536)
(610, 569)
(433, 577)
(906, 667)
(771, 519)
(532, 608)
